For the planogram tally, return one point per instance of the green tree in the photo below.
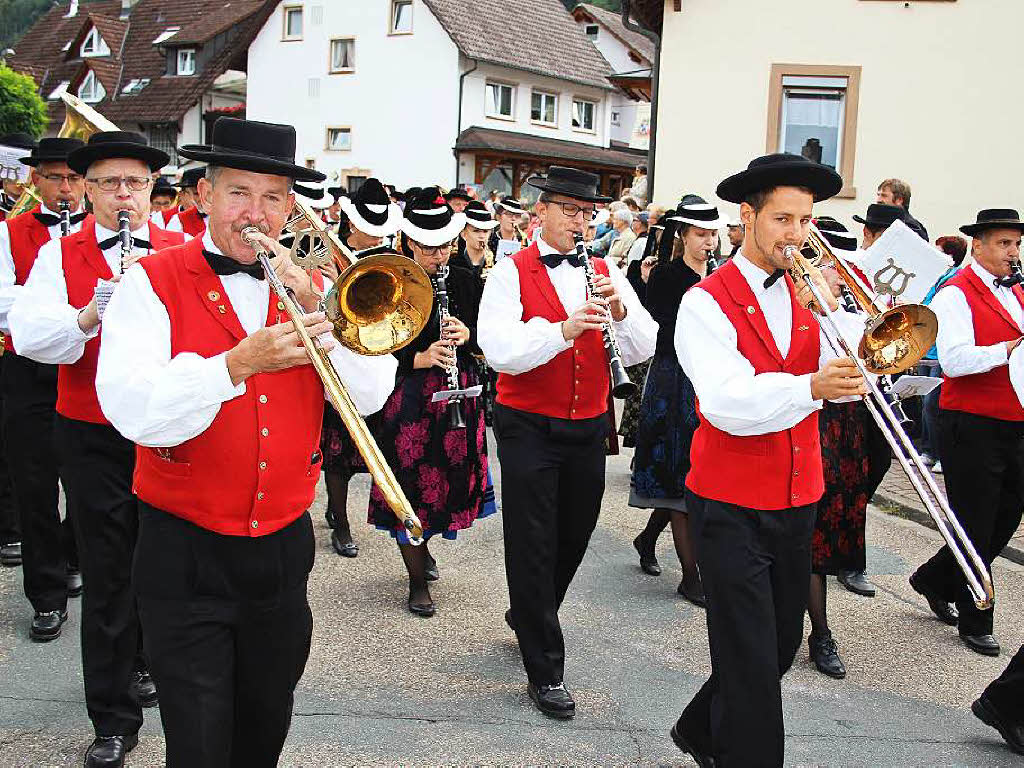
(16, 16)
(21, 109)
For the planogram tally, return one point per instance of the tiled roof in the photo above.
(613, 23)
(531, 35)
(111, 29)
(216, 20)
(511, 143)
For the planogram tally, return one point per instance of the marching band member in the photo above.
(57, 319)
(161, 201)
(11, 189)
(441, 467)
(981, 421)
(1001, 704)
(542, 333)
(49, 554)
(458, 198)
(760, 368)
(507, 210)
(191, 217)
(201, 368)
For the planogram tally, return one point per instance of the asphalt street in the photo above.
(385, 687)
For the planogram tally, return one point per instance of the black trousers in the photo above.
(228, 630)
(552, 481)
(10, 530)
(1007, 690)
(97, 465)
(755, 566)
(983, 461)
(47, 544)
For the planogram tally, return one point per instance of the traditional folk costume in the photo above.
(981, 426)
(49, 553)
(510, 205)
(224, 477)
(189, 220)
(1001, 704)
(550, 422)
(163, 218)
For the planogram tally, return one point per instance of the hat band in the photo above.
(375, 208)
(700, 214)
(245, 152)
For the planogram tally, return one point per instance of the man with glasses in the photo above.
(56, 320)
(541, 331)
(48, 552)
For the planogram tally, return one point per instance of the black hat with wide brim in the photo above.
(190, 177)
(478, 217)
(107, 145)
(457, 194)
(51, 150)
(370, 210)
(837, 235)
(430, 221)
(18, 140)
(994, 218)
(570, 182)
(163, 187)
(781, 170)
(881, 215)
(250, 145)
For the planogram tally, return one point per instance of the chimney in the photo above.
(126, 7)
(72, 10)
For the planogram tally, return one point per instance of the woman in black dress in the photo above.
(442, 469)
(668, 415)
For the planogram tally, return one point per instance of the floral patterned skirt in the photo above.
(443, 471)
(631, 406)
(337, 446)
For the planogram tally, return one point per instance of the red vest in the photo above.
(990, 393)
(255, 468)
(167, 215)
(776, 470)
(83, 265)
(191, 222)
(572, 385)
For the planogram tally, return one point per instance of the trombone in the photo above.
(893, 341)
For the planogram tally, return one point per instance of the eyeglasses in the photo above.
(571, 210)
(57, 178)
(434, 250)
(113, 183)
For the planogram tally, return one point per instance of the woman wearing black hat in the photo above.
(441, 468)
(507, 212)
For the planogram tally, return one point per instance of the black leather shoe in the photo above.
(648, 561)
(693, 592)
(857, 582)
(825, 654)
(344, 548)
(431, 573)
(144, 689)
(10, 554)
(508, 619)
(702, 759)
(1012, 733)
(553, 700)
(46, 625)
(74, 582)
(943, 610)
(426, 610)
(110, 751)
(986, 645)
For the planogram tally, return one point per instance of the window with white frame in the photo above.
(339, 139)
(292, 23)
(343, 54)
(592, 31)
(186, 61)
(813, 115)
(93, 44)
(500, 100)
(544, 108)
(91, 90)
(616, 117)
(401, 17)
(583, 112)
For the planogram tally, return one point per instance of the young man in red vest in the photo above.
(981, 420)
(191, 216)
(760, 368)
(202, 369)
(57, 319)
(542, 332)
(50, 568)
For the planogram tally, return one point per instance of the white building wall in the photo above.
(614, 51)
(191, 126)
(938, 97)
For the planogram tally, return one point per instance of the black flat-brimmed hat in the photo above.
(837, 235)
(191, 176)
(698, 212)
(51, 151)
(781, 170)
(571, 182)
(18, 140)
(163, 187)
(880, 215)
(336, 192)
(509, 204)
(457, 194)
(994, 218)
(116, 144)
(250, 145)
(478, 216)
(430, 221)
(310, 191)
(371, 211)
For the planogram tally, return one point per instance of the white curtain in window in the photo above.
(577, 114)
(804, 109)
(342, 57)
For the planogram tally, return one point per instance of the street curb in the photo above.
(1012, 552)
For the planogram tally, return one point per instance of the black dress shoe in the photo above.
(943, 610)
(702, 759)
(825, 654)
(857, 582)
(74, 582)
(426, 610)
(344, 548)
(144, 689)
(10, 554)
(648, 561)
(46, 625)
(431, 573)
(986, 645)
(1012, 733)
(110, 751)
(693, 592)
(508, 619)
(553, 700)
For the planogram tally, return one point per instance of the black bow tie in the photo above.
(52, 220)
(773, 278)
(137, 242)
(1007, 282)
(222, 265)
(554, 259)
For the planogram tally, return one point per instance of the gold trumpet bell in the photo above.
(898, 338)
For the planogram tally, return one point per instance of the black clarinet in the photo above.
(1016, 276)
(124, 233)
(456, 419)
(712, 262)
(622, 387)
(64, 207)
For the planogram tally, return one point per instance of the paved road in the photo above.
(385, 687)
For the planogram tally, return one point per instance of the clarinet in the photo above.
(124, 233)
(1016, 276)
(712, 262)
(622, 387)
(456, 420)
(65, 217)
